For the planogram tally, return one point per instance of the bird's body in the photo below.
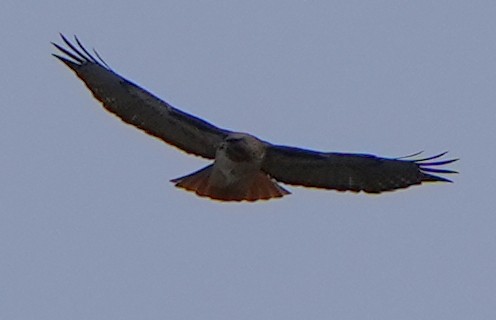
(237, 160)
(244, 167)
(236, 172)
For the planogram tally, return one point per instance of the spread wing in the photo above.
(138, 107)
(350, 172)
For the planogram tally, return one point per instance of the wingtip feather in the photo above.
(71, 64)
(427, 167)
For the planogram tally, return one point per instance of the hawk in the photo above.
(244, 168)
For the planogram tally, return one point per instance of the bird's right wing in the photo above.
(138, 107)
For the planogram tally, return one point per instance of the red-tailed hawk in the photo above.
(244, 167)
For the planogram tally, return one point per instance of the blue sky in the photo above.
(91, 227)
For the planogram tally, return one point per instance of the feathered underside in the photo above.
(289, 165)
(351, 172)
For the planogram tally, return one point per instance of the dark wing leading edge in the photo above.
(139, 107)
(350, 172)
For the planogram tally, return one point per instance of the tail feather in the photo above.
(194, 181)
(265, 188)
(261, 188)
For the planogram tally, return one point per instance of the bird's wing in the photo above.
(138, 107)
(349, 172)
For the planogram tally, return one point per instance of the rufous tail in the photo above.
(261, 188)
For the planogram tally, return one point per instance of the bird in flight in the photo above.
(244, 168)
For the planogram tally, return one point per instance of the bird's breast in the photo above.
(227, 171)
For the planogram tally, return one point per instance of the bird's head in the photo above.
(242, 147)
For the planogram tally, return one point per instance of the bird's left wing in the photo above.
(349, 172)
(138, 107)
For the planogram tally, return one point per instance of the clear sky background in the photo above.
(91, 227)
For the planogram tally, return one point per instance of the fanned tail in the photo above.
(262, 187)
